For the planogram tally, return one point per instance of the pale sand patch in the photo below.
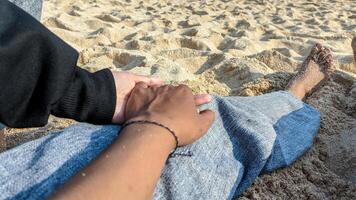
(232, 47)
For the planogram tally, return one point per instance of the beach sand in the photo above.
(228, 47)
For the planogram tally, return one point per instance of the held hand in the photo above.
(172, 106)
(126, 81)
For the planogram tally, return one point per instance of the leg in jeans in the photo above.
(249, 135)
(33, 7)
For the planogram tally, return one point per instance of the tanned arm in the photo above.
(131, 167)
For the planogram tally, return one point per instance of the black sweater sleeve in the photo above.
(39, 76)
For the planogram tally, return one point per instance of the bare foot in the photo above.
(314, 71)
(353, 45)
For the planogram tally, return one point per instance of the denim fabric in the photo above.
(2, 126)
(33, 7)
(250, 135)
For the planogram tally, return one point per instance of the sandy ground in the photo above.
(228, 47)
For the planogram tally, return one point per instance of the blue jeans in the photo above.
(250, 136)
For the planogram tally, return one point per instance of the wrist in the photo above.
(152, 135)
(159, 119)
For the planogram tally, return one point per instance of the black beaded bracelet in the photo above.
(172, 154)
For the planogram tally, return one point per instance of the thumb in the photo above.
(206, 119)
(150, 81)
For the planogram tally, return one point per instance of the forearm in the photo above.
(129, 169)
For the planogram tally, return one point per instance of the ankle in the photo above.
(298, 92)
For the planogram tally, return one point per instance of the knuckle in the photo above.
(184, 88)
(141, 90)
(166, 87)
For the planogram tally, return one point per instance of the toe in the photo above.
(315, 52)
(323, 56)
(319, 46)
(315, 49)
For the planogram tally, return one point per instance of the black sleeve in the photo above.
(39, 76)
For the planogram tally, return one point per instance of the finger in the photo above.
(185, 89)
(206, 118)
(150, 81)
(141, 85)
(201, 99)
(138, 90)
(137, 96)
(155, 81)
(165, 88)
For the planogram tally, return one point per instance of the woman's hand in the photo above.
(131, 166)
(172, 106)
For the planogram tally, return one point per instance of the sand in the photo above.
(228, 48)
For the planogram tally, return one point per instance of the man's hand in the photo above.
(126, 81)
